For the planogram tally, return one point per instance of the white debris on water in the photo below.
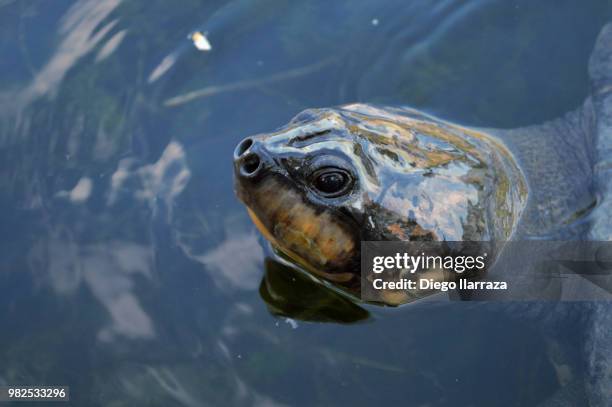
(292, 322)
(375, 22)
(200, 41)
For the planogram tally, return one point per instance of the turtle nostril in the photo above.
(250, 164)
(243, 147)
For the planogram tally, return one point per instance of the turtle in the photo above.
(333, 177)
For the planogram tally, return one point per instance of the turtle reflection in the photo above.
(293, 294)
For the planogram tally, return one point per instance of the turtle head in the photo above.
(334, 177)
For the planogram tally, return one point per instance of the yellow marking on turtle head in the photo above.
(314, 240)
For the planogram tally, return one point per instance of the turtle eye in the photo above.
(332, 182)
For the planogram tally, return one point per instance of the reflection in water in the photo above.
(294, 294)
(241, 85)
(169, 382)
(110, 46)
(80, 193)
(108, 271)
(235, 263)
(80, 32)
(163, 67)
(162, 181)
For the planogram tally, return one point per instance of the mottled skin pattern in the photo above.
(555, 158)
(415, 177)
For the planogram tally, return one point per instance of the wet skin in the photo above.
(334, 177)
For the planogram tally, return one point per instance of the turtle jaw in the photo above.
(312, 237)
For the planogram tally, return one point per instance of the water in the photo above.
(130, 272)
